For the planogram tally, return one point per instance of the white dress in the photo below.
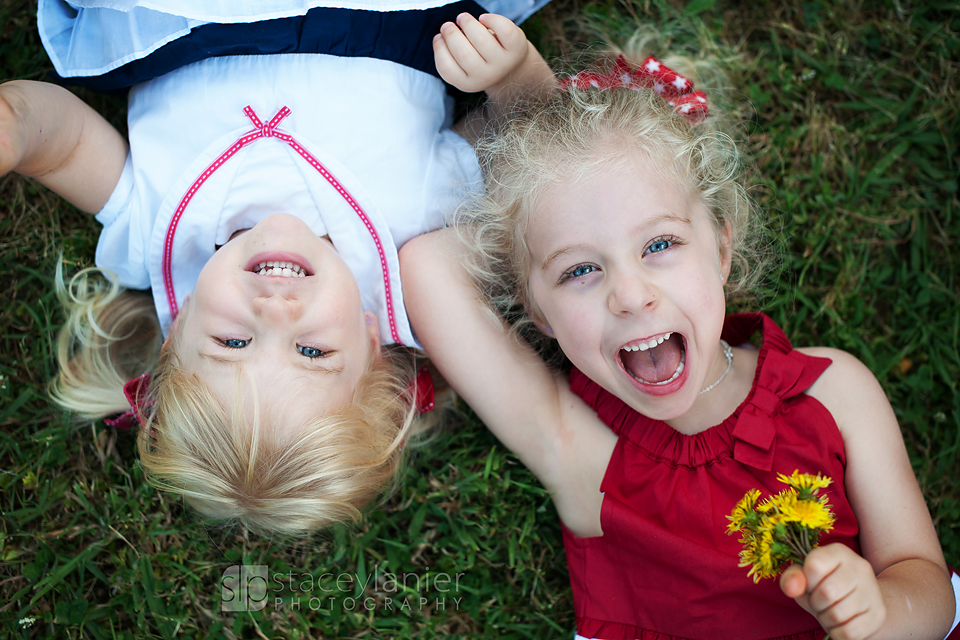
(361, 150)
(94, 37)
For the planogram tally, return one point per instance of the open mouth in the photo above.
(280, 268)
(657, 361)
(279, 264)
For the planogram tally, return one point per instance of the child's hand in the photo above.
(475, 55)
(840, 589)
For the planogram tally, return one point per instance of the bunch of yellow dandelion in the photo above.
(783, 528)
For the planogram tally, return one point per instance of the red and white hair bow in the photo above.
(653, 75)
(421, 390)
(137, 393)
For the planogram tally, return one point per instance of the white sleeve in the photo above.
(453, 178)
(516, 10)
(122, 248)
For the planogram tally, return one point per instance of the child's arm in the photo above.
(526, 406)
(900, 588)
(490, 54)
(49, 134)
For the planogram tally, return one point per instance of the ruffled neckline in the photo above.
(748, 434)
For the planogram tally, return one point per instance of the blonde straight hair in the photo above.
(227, 467)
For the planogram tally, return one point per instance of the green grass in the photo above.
(854, 126)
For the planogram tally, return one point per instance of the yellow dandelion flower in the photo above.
(812, 514)
(763, 546)
(747, 557)
(764, 563)
(804, 482)
(782, 528)
(767, 506)
(786, 499)
(743, 511)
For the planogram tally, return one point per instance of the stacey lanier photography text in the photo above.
(249, 587)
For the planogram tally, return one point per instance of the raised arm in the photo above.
(527, 407)
(900, 588)
(49, 134)
(490, 54)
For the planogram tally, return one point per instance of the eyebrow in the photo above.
(559, 252)
(664, 217)
(303, 365)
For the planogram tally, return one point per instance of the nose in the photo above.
(631, 292)
(276, 308)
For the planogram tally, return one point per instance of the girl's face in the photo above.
(304, 337)
(623, 259)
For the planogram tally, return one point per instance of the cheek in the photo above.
(576, 320)
(346, 304)
(705, 302)
(212, 295)
(210, 285)
(703, 276)
(577, 343)
(574, 314)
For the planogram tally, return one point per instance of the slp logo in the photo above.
(243, 587)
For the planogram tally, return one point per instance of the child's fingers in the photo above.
(843, 592)
(460, 47)
(508, 34)
(793, 583)
(832, 573)
(820, 563)
(481, 62)
(848, 621)
(485, 42)
(447, 66)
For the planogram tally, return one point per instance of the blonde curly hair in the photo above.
(572, 133)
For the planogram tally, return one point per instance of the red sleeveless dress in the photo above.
(665, 567)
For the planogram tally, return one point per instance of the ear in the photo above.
(373, 333)
(726, 250)
(538, 322)
(543, 327)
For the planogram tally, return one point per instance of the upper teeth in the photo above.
(277, 268)
(650, 344)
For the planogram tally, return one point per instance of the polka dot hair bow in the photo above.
(652, 74)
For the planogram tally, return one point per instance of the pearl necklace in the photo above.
(728, 353)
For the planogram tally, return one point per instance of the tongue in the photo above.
(656, 364)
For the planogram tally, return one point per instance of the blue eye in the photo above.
(234, 343)
(310, 352)
(579, 271)
(659, 245)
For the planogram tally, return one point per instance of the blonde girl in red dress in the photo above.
(616, 223)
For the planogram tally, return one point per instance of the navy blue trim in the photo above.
(405, 37)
